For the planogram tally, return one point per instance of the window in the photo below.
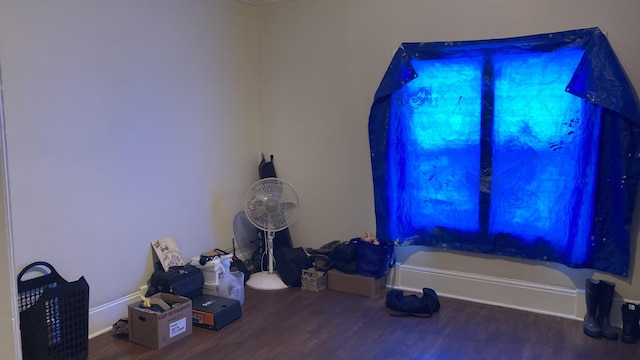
(480, 146)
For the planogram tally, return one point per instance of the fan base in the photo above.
(266, 281)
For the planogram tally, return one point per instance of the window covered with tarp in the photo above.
(525, 147)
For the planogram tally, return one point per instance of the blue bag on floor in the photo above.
(413, 305)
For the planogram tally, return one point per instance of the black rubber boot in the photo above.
(630, 323)
(591, 294)
(605, 299)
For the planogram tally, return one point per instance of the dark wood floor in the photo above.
(298, 324)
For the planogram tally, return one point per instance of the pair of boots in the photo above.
(630, 323)
(599, 297)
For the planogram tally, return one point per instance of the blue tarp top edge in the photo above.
(599, 77)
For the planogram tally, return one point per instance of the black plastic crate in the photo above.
(54, 315)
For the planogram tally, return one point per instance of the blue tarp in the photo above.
(598, 78)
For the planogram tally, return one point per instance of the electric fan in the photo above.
(271, 205)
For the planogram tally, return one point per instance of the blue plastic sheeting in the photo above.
(525, 147)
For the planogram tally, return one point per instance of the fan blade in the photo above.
(277, 222)
(272, 187)
(288, 205)
(287, 219)
(255, 202)
(256, 209)
(259, 194)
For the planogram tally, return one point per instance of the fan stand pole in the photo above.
(270, 250)
(267, 280)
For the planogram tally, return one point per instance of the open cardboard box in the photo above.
(157, 330)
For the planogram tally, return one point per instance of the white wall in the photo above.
(320, 65)
(126, 121)
(9, 327)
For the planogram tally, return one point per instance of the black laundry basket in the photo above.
(54, 315)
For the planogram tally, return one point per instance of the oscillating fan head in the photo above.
(271, 204)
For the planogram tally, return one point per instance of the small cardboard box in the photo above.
(356, 284)
(313, 280)
(211, 289)
(214, 312)
(157, 330)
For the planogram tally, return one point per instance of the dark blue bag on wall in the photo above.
(374, 260)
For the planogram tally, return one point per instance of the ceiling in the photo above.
(258, 2)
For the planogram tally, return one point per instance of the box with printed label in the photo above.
(167, 321)
(211, 289)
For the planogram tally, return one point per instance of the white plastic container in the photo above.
(208, 271)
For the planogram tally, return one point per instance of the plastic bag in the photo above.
(231, 285)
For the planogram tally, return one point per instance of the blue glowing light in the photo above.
(439, 116)
(542, 145)
(544, 150)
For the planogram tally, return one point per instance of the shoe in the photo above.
(591, 326)
(606, 291)
(630, 323)
(605, 299)
(321, 262)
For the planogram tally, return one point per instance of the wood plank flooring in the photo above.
(298, 324)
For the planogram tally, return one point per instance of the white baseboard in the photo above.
(538, 298)
(102, 318)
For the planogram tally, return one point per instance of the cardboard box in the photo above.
(214, 312)
(211, 289)
(356, 284)
(157, 330)
(313, 280)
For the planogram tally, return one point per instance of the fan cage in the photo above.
(271, 204)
